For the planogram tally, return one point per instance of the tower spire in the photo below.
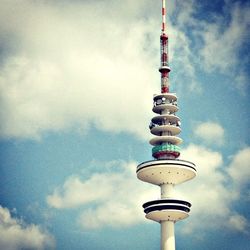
(164, 68)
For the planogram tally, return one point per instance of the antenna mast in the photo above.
(164, 68)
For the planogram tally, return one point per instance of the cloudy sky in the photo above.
(76, 84)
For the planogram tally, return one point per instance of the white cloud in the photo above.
(222, 42)
(114, 197)
(207, 190)
(74, 72)
(181, 54)
(239, 168)
(180, 45)
(14, 234)
(210, 132)
(112, 213)
(210, 194)
(209, 45)
(92, 190)
(69, 66)
(238, 222)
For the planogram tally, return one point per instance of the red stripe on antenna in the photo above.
(163, 26)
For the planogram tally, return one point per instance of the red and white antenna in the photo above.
(163, 16)
(164, 68)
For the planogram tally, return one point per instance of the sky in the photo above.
(76, 85)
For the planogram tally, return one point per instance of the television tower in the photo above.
(166, 170)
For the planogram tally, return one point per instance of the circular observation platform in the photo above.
(158, 140)
(166, 210)
(162, 107)
(159, 119)
(169, 96)
(164, 68)
(160, 172)
(173, 129)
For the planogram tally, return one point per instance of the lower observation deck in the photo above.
(166, 210)
(160, 172)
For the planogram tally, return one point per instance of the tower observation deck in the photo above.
(166, 169)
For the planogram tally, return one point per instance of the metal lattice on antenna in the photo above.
(166, 170)
(164, 68)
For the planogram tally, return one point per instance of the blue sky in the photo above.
(76, 86)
